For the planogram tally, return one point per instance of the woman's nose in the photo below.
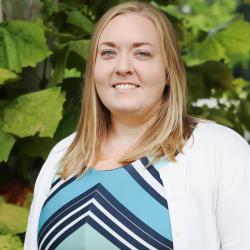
(123, 65)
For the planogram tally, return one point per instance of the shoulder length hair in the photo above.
(171, 129)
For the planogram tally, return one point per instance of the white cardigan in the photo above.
(207, 188)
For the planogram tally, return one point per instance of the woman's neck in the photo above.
(124, 133)
(130, 128)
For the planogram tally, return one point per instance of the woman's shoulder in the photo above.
(215, 143)
(220, 135)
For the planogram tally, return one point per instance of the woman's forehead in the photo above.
(131, 28)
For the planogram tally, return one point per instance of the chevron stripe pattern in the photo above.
(122, 208)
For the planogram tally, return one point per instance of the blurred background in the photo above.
(43, 50)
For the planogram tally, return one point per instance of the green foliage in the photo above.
(80, 47)
(36, 112)
(6, 139)
(22, 44)
(10, 242)
(214, 44)
(43, 55)
(220, 45)
(13, 218)
(77, 19)
(7, 75)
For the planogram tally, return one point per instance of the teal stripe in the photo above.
(162, 162)
(87, 238)
(124, 188)
(68, 193)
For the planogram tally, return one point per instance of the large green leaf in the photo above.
(10, 242)
(172, 10)
(60, 65)
(5, 138)
(208, 50)
(80, 47)
(236, 38)
(50, 7)
(79, 20)
(2, 199)
(22, 44)
(220, 45)
(7, 75)
(196, 17)
(38, 112)
(8, 141)
(13, 218)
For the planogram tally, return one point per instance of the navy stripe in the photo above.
(55, 182)
(123, 234)
(151, 169)
(129, 220)
(67, 233)
(113, 206)
(103, 218)
(93, 224)
(63, 225)
(58, 189)
(138, 178)
(65, 209)
(141, 234)
(95, 211)
(106, 234)
(118, 210)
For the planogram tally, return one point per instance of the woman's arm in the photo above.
(233, 204)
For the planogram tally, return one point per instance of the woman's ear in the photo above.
(166, 89)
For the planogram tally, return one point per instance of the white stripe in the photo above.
(130, 220)
(109, 215)
(52, 190)
(77, 220)
(111, 231)
(63, 219)
(65, 229)
(103, 210)
(118, 223)
(62, 181)
(67, 209)
(140, 168)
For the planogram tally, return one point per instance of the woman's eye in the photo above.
(143, 53)
(107, 53)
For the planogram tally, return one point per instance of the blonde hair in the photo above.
(168, 133)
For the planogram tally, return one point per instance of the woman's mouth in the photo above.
(126, 85)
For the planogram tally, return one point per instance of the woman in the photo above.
(139, 173)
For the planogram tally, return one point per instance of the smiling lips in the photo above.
(125, 85)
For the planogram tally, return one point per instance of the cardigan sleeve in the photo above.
(41, 190)
(233, 193)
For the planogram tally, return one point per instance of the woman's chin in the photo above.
(126, 110)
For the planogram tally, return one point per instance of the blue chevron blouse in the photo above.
(122, 208)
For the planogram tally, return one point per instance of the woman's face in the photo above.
(129, 73)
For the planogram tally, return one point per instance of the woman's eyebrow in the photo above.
(134, 45)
